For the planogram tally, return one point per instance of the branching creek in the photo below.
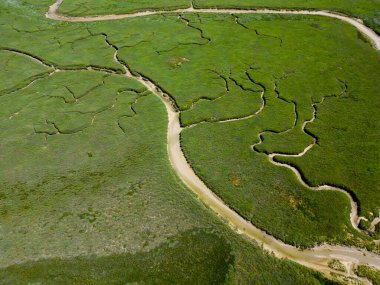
(317, 257)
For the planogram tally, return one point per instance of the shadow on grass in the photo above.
(193, 257)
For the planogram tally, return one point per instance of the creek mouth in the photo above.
(316, 258)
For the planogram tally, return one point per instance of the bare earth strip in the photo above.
(52, 14)
(316, 258)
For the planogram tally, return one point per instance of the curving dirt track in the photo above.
(375, 39)
(316, 258)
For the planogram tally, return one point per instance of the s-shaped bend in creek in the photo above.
(316, 258)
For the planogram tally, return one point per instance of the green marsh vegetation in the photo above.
(87, 194)
(169, 263)
(367, 10)
(306, 66)
(337, 265)
(102, 7)
(369, 272)
(12, 61)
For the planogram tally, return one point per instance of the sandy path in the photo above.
(375, 39)
(316, 258)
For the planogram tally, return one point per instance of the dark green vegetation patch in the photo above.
(369, 272)
(185, 259)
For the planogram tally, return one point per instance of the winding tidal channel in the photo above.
(316, 258)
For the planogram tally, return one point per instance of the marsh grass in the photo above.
(99, 203)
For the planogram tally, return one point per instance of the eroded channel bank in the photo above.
(315, 258)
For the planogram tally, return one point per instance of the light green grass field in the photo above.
(268, 53)
(104, 7)
(367, 10)
(87, 193)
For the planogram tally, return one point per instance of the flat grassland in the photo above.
(367, 10)
(87, 193)
(221, 67)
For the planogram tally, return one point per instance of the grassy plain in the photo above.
(10, 61)
(215, 77)
(104, 7)
(87, 194)
(274, 54)
(367, 10)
